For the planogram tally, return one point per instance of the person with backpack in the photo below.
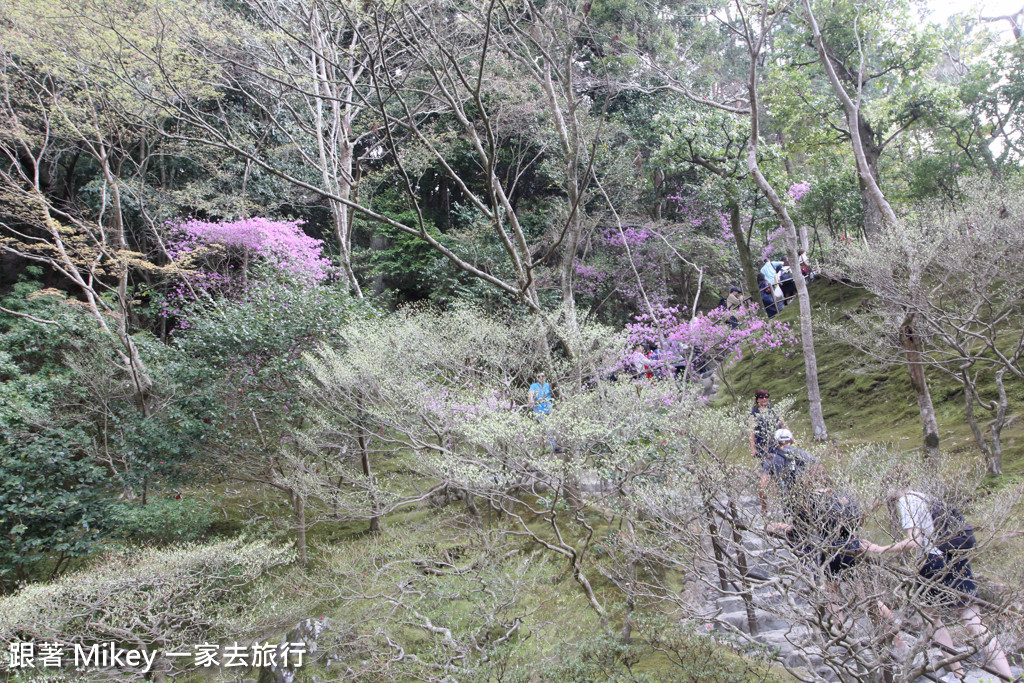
(764, 423)
(941, 536)
(805, 265)
(823, 525)
(822, 531)
(787, 283)
(781, 469)
(770, 269)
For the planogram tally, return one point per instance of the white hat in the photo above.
(783, 435)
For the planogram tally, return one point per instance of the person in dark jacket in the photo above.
(764, 422)
(786, 282)
(767, 298)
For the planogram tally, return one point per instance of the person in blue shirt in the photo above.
(540, 401)
(540, 397)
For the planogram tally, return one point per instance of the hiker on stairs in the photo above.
(823, 525)
(945, 579)
(764, 422)
(780, 469)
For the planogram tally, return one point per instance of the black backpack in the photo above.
(952, 532)
(830, 519)
(841, 518)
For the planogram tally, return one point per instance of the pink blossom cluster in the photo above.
(711, 333)
(798, 191)
(723, 222)
(454, 410)
(634, 237)
(282, 244)
(774, 240)
(696, 217)
(590, 279)
(648, 254)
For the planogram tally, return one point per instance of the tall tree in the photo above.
(716, 143)
(504, 76)
(300, 71)
(426, 69)
(61, 78)
(756, 27)
(878, 52)
(909, 325)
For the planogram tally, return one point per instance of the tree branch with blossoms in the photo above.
(720, 335)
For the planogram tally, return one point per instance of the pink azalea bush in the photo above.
(280, 244)
(798, 191)
(639, 255)
(615, 271)
(710, 334)
(775, 239)
(214, 256)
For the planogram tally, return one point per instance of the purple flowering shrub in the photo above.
(215, 259)
(639, 264)
(798, 191)
(711, 334)
(281, 244)
(776, 239)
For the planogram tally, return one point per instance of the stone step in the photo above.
(730, 603)
(980, 676)
(799, 660)
(765, 621)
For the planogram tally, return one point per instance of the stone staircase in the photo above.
(793, 645)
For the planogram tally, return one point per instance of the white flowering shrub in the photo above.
(643, 495)
(156, 601)
(447, 394)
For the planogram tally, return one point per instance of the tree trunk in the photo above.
(378, 243)
(342, 227)
(912, 353)
(874, 221)
(364, 458)
(333, 126)
(806, 338)
(299, 510)
(627, 621)
(995, 464)
(659, 183)
(806, 332)
(746, 261)
(865, 148)
(972, 420)
(803, 299)
(993, 452)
